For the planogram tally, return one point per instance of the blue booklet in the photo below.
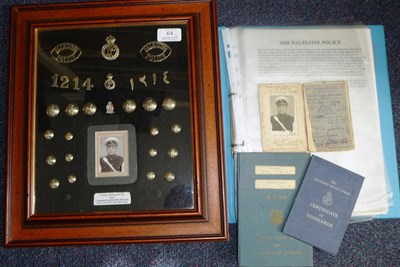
(267, 186)
(322, 208)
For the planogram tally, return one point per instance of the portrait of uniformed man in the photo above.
(111, 162)
(281, 121)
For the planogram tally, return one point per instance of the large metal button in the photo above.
(169, 104)
(149, 104)
(72, 109)
(52, 110)
(89, 108)
(129, 105)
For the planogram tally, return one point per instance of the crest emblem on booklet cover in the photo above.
(327, 198)
(276, 217)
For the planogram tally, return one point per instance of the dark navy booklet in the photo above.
(324, 204)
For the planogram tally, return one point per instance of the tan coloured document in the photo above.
(312, 117)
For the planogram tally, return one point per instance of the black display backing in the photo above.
(157, 194)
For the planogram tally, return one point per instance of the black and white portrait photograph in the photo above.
(282, 110)
(112, 155)
(111, 152)
(282, 117)
(112, 159)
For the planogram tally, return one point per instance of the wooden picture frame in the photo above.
(152, 65)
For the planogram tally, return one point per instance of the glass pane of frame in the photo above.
(98, 88)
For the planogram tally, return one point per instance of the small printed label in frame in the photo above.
(169, 35)
(112, 198)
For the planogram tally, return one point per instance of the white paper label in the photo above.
(112, 198)
(275, 184)
(275, 170)
(169, 35)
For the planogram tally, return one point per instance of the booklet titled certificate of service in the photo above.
(303, 55)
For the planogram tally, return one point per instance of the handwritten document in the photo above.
(328, 116)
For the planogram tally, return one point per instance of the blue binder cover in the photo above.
(386, 121)
(386, 117)
(229, 159)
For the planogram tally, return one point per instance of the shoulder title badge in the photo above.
(148, 50)
(66, 52)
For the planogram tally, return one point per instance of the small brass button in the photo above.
(176, 128)
(154, 131)
(48, 134)
(150, 175)
(51, 160)
(172, 153)
(169, 176)
(54, 183)
(69, 157)
(152, 152)
(71, 179)
(69, 136)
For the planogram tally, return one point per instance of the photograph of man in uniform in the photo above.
(282, 121)
(111, 162)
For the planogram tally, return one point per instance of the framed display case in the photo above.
(115, 128)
